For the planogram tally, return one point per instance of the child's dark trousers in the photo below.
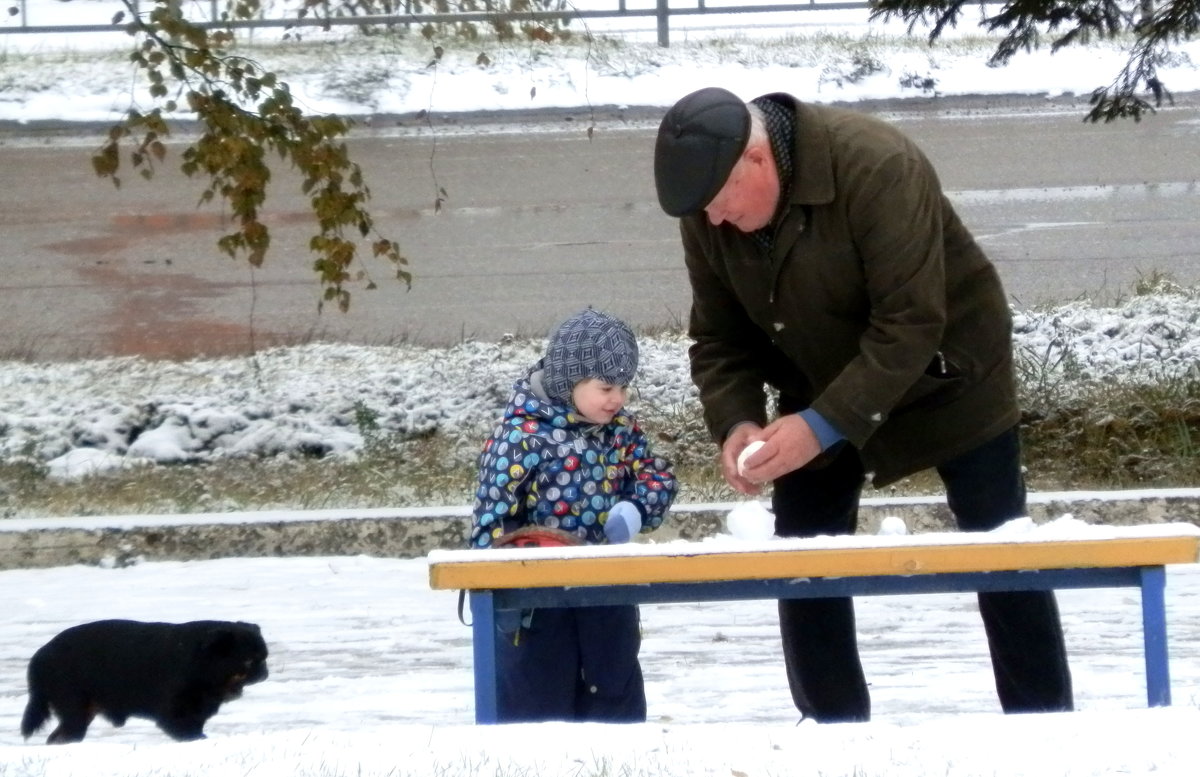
(573, 664)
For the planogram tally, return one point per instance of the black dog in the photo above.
(176, 674)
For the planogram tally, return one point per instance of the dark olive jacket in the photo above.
(875, 306)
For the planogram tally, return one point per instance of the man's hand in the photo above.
(788, 444)
(741, 436)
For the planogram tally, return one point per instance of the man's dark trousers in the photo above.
(984, 488)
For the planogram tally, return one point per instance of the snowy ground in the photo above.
(816, 55)
(371, 669)
(371, 674)
(88, 416)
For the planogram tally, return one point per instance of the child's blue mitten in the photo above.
(624, 521)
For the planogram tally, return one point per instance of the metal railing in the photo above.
(662, 13)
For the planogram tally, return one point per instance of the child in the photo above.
(568, 457)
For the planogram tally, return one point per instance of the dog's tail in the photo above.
(37, 711)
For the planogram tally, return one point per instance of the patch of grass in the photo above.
(1117, 437)
(1081, 429)
(418, 472)
(388, 471)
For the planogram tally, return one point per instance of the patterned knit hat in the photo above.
(589, 344)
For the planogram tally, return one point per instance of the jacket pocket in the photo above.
(941, 382)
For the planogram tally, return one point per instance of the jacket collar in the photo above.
(812, 174)
(812, 156)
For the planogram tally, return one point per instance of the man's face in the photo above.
(748, 199)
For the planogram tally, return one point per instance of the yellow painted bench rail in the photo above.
(640, 564)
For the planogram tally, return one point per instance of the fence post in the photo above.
(664, 27)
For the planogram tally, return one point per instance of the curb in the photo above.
(32, 543)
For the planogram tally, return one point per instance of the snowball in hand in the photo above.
(746, 453)
(750, 521)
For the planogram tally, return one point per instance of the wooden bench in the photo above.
(1085, 557)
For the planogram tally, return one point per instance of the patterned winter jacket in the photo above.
(545, 465)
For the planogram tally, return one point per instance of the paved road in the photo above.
(540, 220)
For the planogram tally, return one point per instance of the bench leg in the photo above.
(1154, 633)
(483, 638)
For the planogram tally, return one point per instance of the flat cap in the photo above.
(700, 139)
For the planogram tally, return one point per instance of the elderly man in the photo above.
(827, 264)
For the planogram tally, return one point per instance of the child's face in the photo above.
(598, 401)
